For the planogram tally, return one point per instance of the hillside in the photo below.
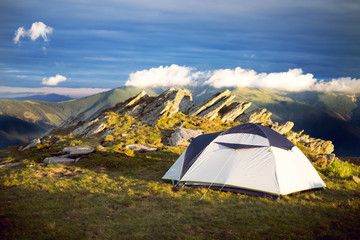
(45, 98)
(333, 116)
(15, 131)
(113, 188)
(53, 113)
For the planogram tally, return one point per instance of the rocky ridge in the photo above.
(150, 110)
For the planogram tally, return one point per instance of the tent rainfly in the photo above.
(248, 158)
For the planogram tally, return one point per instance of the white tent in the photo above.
(248, 158)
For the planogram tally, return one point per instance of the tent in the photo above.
(248, 158)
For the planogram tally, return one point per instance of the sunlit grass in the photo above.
(115, 194)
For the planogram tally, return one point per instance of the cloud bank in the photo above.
(53, 81)
(293, 80)
(38, 29)
(173, 75)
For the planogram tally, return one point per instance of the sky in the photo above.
(81, 47)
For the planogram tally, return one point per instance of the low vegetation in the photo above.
(117, 193)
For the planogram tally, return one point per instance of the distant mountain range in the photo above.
(45, 98)
(329, 116)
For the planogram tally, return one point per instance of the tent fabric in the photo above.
(275, 138)
(240, 161)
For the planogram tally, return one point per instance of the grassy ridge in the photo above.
(53, 113)
(116, 194)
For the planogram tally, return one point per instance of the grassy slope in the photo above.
(116, 194)
(53, 113)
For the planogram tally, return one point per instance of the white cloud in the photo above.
(53, 81)
(72, 92)
(173, 75)
(293, 80)
(345, 84)
(38, 29)
(19, 33)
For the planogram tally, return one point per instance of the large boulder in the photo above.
(79, 150)
(181, 136)
(141, 147)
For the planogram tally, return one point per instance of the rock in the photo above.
(132, 103)
(330, 157)
(77, 150)
(9, 164)
(33, 143)
(283, 129)
(71, 121)
(56, 160)
(354, 178)
(165, 105)
(95, 130)
(181, 136)
(320, 146)
(213, 111)
(141, 147)
(83, 129)
(194, 111)
(259, 115)
(108, 131)
(229, 113)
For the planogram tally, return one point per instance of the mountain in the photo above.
(332, 116)
(45, 98)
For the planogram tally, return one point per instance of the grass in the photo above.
(111, 196)
(115, 195)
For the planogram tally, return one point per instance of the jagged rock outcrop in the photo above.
(320, 146)
(165, 105)
(181, 136)
(71, 121)
(231, 112)
(317, 146)
(211, 102)
(149, 110)
(90, 128)
(260, 115)
(283, 129)
(132, 103)
(213, 111)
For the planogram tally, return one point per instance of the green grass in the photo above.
(115, 194)
(111, 196)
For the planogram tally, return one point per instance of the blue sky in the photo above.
(98, 44)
